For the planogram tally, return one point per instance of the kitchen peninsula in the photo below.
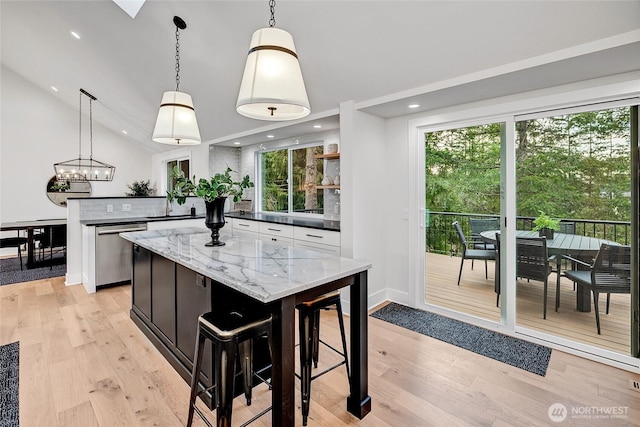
(169, 262)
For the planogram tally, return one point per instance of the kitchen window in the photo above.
(183, 165)
(288, 180)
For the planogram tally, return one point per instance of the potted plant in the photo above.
(545, 225)
(60, 186)
(214, 192)
(140, 189)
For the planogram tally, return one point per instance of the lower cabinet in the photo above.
(193, 298)
(141, 294)
(163, 296)
(167, 299)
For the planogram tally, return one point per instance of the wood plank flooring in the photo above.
(475, 296)
(84, 363)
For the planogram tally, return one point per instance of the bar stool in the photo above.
(232, 335)
(309, 328)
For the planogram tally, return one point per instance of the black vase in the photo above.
(546, 233)
(214, 220)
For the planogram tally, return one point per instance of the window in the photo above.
(289, 178)
(182, 164)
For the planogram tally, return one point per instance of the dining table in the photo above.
(30, 227)
(561, 245)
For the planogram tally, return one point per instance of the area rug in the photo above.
(9, 372)
(10, 271)
(512, 351)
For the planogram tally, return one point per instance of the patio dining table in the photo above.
(580, 247)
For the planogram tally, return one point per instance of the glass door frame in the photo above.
(417, 205)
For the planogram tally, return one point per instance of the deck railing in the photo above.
(441, 236)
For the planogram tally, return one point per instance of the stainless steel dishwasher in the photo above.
(113, 253)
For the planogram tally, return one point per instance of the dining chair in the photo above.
(14, 242)
(53, 236)
(469, 253)
(478, 225)
(565, 227)
(532, 263)
(610, 273)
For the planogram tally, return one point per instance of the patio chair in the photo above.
(565, 227)
(532, 263)
(610, 273)
(478, 225)
(469, 253)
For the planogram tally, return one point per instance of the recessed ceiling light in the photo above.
(414, 105)
(236, 143)
(317, 126)
(55, 89)
(270, 136)
(76, 35)
(125, 132)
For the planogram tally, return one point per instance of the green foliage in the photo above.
(59, 186)
(140, 189)
(220, 185)
(545, 221)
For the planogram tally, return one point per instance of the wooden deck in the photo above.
(475, 296)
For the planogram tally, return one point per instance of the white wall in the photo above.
(37, 131)
(366, 181)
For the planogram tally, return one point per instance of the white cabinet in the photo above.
(243, 226)
(326, 241)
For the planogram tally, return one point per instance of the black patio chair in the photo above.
(609, 274)
(532, 263)
(469, 253)
(565, 227)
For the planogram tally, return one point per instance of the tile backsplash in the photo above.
(135, 207)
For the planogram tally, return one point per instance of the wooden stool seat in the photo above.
(232, 334)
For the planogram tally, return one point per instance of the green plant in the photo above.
(59, 186)
(140, 189)
(220, 185)
(545, 221)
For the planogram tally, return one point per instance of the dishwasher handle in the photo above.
(120, 230)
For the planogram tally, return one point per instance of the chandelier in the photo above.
(83, 169)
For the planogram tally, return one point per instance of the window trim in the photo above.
(258, 163)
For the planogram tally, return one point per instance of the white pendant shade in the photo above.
(272, 86)
(176, 123)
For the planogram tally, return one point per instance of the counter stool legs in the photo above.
(309, 330)
(231, 335)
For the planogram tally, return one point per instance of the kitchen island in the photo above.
(272, 276)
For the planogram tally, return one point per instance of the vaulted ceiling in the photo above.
(380, 54)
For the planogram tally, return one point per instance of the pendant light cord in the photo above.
(80, 130)
(91, 129)
(272, 8)
(177, 59)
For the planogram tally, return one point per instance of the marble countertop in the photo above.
(317, 223)
(262, 270)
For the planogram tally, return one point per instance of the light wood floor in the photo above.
(475, 296)
(84, 363)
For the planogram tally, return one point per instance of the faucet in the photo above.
(168, 208)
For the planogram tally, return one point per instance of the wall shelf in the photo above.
(329, 156)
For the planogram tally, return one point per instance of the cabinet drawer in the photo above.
(244, 225)
(281, 230)
(327, 249)
(276, 239)
(313, 235)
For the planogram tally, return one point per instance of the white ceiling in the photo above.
(383, 55)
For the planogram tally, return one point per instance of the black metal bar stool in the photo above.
(309, 327)
(232, 335)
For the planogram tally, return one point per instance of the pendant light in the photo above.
(79, 170)
(176, 123)
(272, 87)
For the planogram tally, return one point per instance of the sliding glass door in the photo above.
(576, 167)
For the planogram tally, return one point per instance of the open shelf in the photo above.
(327, 156)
